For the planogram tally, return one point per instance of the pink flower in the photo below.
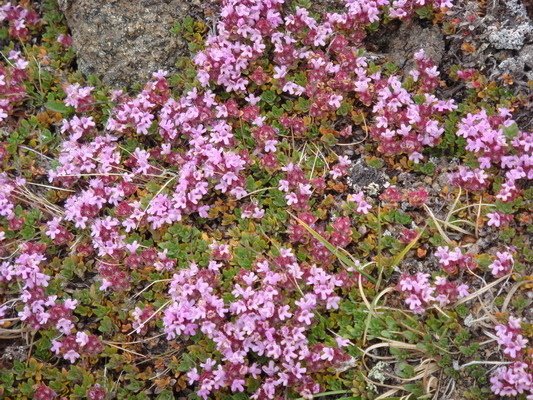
(56, 346)
(65, 40)
(510, 337)
(71, 356)
(335, 101)
(237, 385)
(279, 72)
(43, 392)
(415, 157)
(53, 227)
(79, 97)
(512, 380)
(82, 338)
(293, 88)
(362, 205)
(291, 199)
(503, 264)
(64, 326)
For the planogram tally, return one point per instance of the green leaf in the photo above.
(426, 168)
(425, 12)
(344, 109)
(28, 232)
(244, 256)
(269, 96)
(277, 112)
(58, 106)
(419, 98)
(511, 132)
(375, 162)
(401, 217)
(46, 136)
(186, 364)
(26, 388)
(7, 378)
(302, 104)
(329, 139)
(75, 374)
(106, 325)
(165, 395)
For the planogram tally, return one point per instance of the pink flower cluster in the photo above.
(498, 219)
(7, 191)
(72, 347)
(19, 19)
(140, 316)
(104, 202)
(453, 261)
(78, 159)
(403, 125)
(239, 40)
(338, 233)
(12, 89)
(260, 333)
(59, 234)
(341, 168)
(252, 210)
(421, 293)
(40, 311)
(516, 378)
(79, 97)
(297, 187)
(342, 232)
(44, 392)
(64, 39)
(208, 163)
(472, 179)
(503, 264)
(415, 197)
(220, 252)
(510, 337)
(248, 29)
(512, 380)
(137, 114)
(266, 139)
(496, 141)
(363, 207)
(96, 392)
(113, 274)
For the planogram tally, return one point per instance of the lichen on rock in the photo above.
(512, 38)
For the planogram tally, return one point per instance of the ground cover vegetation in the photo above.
(207, 235)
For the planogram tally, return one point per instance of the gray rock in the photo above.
(519, 66)
(412, 37)
(364, 177)
(124, 41)
(526, 56)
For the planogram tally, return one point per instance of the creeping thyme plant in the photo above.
(205, 237)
